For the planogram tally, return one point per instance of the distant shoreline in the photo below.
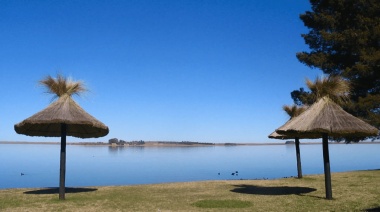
(171, 144)
(146, 144)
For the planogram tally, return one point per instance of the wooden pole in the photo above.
(326, 163)
(62, 169)
(299, 168)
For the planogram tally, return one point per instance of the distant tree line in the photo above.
(122, 142)
(185, 143)
(141, 142)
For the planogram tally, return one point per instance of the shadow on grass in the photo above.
(280, 190)
(372, 209)
(56, 190)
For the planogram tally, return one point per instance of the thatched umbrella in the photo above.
(61, 118)
(275, 135)
(325, 118)
(292, 111)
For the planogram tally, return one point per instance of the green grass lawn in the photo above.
(352, 191)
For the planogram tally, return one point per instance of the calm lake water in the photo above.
(103, 165)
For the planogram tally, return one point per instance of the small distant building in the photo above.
(289, 142)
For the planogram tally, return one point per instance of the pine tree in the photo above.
(344, 40)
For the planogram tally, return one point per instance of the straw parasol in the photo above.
(61, 118)
(325, 118)
(292, 111)
(65, 110)
(275, 135)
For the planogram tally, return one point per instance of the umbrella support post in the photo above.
(62, 169)
(299, 169)
(326, 163)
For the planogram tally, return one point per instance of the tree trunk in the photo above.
(62, 173)
(326, 163)
(299, 168)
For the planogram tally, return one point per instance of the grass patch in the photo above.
(222, 204)
(290, 194)
(306, 178)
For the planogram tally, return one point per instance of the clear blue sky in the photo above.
(174, 70)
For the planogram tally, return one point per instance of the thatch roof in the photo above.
(325, 116)
(275, 135)
(63, 111)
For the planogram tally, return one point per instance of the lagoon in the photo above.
(105, 165)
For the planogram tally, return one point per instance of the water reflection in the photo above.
(126, 165)
(290, 148)
(137, 148)
(116, 149)
(162, 149)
